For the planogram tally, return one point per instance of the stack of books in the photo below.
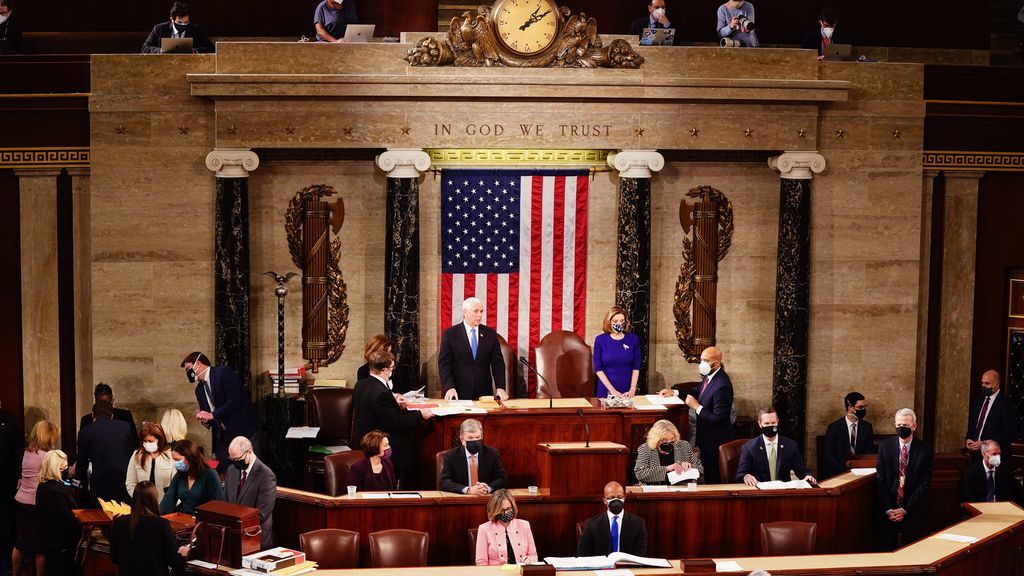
(292, 377)
(277, 561)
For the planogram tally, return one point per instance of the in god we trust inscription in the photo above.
(523, 34)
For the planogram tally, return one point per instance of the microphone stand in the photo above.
(586, 427)
(551, 396)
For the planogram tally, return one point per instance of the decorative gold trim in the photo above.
(38, 158)
(974, 161)
(503, 156)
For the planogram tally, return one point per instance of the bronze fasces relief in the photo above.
(309, 223)
(514, 34)
(708, 228)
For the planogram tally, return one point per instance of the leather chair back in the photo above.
(729, 459)
(438, 465)
(509, 356)
(472, 547)
(336, 470)
(579, 533)
(566, 361)
(398, 548)
(788, 538)
(331, 409)
(331, 548)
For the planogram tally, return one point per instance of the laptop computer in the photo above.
(837, 52)
(658, 37)
(359, 32)
(175, 45)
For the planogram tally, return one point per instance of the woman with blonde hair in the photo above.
(45, 436)
(504, 539)
(54, 503)
(151, 462)
(617, 356)
(664, 452)
(174, 426)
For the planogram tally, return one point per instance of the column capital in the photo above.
(232, 162)
(636, 163)
(404, 162)
(798, 165)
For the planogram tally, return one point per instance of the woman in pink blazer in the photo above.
(503, 532)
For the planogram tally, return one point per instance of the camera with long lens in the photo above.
(746, 24)
(730, 43)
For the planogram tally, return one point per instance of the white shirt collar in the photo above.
(992, 398)
(468, 328)
(619, 516)
(768, 440)
(909, 442)
(986, 467)
(382, 381)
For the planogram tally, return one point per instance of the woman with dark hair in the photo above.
(617, 356)
(375, 472)
(151, 462)
(142, 543)
(195, 482)
(401, 379)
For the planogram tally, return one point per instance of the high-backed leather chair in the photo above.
(509, 356)
(398, 548)
(729, 459)
(331, 409)
(336, 470)
(565, 360)
(472, 547)
(331, 548)
(438, 465)
(788, 538)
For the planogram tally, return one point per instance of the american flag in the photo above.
(517, 240)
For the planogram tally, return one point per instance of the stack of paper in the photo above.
(780, 485)
(663, 400)
(728, 566)
(605, 562)
(302, 432)
(677, 477)
(862, 471)
(115, 509)
(449, 410)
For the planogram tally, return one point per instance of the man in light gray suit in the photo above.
(250, 482)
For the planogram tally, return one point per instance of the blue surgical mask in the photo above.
(181, 465)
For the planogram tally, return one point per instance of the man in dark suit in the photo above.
(827, 32)
(470, 357)
(375, 408)
(250, 482)
(613, 530)
(847, 437)
(179, 26)
(988, 480)
(107, 445)
(104, 393)
(770, 456)
(902, 481)
(713, 405)
(472, 468)
(992, 417)
(224, 407)
(656, 18)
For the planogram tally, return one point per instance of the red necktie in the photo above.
(903, 476)
(981, 418)
(704, 386)
(241, 483)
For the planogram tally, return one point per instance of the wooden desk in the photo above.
(517, 429)
(574, 468)
(720, 520)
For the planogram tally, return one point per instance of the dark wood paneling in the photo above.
(12, 394)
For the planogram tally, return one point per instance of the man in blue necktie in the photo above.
(614, 530)
(469, 363)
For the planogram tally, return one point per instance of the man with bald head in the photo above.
(712, 403)
(250, 482)
(469, 363)
(992, 417)
(613, 530)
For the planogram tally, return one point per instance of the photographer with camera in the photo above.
(736, 24)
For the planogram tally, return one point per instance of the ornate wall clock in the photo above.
(523, 33)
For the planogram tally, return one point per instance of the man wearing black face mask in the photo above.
(902, 481)
(472, 468)
(613, 530)
(770, 456)
(179, 26)
(847, 437)
(250, 482)
(992, 417)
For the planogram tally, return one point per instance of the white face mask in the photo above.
(4, 17)
(827, 31)
(150, 447)
(658, 13)
(993, 461)
(704, 368)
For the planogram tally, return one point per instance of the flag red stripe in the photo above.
(580, 298)
(446, 302)
(558, 254)
(492, 300)
(513, 321)
(536, 237)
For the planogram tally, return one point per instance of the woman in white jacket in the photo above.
(152, 461)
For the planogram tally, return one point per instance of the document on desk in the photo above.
(373, 495)
(608, 562)
(862, 471)
(614, 572)
(657, 407)
(302, 432)
(677, 477)
(728, 566)
(404, 495)
(780, 485)
(201, 564)
(956, 538)
(664, 400)
(449, 410)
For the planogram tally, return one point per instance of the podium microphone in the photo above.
(551, 396)
(586, 427)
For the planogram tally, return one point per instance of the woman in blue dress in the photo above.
(616, 356)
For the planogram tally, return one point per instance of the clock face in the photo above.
(527, 27)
